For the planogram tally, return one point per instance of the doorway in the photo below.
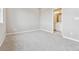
(57, 19)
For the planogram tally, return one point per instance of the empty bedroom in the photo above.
(39, 29)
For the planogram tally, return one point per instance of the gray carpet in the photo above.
(38, 41)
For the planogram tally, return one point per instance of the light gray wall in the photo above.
(19, 19)
(46, 19)
(70, 23)
(1, 32)
(1, 16)
(2, 26)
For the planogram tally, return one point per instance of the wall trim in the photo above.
(3, 38)
(70, 38)
(28, 31)
(46, 31)
(42, 28)
(21, 32)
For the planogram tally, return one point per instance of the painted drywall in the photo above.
(1, 16)
(46, 19)
(70, 23)
(22, 19)
(2, 26)
(1, 32)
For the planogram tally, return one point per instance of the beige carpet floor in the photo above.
(38, 41)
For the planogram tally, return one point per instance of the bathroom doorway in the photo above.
(57, 19)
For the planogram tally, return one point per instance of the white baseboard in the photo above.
(46, 31)
(42, 30)
(28, 31)
(70, 38)
(2, 39)
(21, 32)
(45, 28)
